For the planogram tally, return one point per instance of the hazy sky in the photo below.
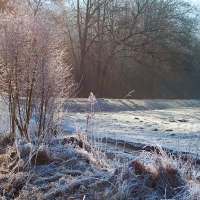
(196, 2)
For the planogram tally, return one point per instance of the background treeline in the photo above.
(117, 46)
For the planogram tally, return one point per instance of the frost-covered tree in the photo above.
(34, 72)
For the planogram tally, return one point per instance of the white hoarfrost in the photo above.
(174, 124)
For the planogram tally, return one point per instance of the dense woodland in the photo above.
(148, 48)
(117, 46)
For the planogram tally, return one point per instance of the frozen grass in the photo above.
(73, 166)
(67, 167)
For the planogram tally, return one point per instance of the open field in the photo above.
(173, 124)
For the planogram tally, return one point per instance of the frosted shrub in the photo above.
(33, 69)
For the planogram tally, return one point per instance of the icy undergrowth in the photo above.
(68, 167)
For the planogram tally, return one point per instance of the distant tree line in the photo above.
(116, 46)
(150, 47)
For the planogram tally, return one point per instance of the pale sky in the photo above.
(195, 2)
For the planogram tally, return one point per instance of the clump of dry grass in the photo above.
(153, 175)
(45, 168)
(65, 167)
(6, 140)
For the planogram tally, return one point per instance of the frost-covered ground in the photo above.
(173, 124)
(4, 118)
(68, 167)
